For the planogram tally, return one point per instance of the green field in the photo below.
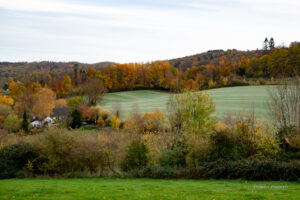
(98, 188)
(228, 100)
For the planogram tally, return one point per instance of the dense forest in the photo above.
(206, 70)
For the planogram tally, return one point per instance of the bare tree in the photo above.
(285, 111)
(285, 104)
(94, 90)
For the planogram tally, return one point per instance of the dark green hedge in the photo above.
(224, 169)
(14, 158)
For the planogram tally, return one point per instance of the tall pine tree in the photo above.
(271, 44)
(266, 44)
(25, 123)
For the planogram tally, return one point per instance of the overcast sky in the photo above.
(140, 30)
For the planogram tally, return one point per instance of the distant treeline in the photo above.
(211, 69)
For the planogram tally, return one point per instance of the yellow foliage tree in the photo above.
(115, 122)
(14, 89)
(6, 100)
(210, 83)
(224, 81)
(60, 103)
(43, 101)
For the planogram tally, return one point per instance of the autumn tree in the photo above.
(14, 89)
(12, 123)
(60, 103)
(44, 101)
(5, 110)
(191, 112)
(74, 102)
(94, 91)
(6, 100)
(67, 83)
(225, 66)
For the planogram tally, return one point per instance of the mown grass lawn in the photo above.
(245, 99)
(131, 189)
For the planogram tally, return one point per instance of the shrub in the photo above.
(136, 156)
(289, 138)
(223, 145)
(115, 122)
(134, 124)
(210, 84)
(12, 123)
(223, 169)
(14, 158)
(5, 110)
(224, 81)
(87, 113)
(74, 102)
(192, 112)
(60, 103)
(238, 82)
(176, 155)
(108, 122)
(153, 121)
(104, 114)
(100, 122)
(63, 152)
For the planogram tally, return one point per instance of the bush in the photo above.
(223, 145)
(289, 139)
(60, 103)
(74, 102)
(238, 82)
(15, 158)
(153, 121)
(176, 156)
(265, 170)
(136, 156)
(158, 172)
(64, 152)
(5, 110)
(12, 123)
(100, 122)
(115, 122)
(104, 114)
(191, 112)
(134, 124)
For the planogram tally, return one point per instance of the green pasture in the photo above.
(246, 99)
(139, 189)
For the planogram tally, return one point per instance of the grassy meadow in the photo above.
(228, 100)
(100, 188)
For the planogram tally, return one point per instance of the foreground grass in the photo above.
(232, 99)
(100, 188)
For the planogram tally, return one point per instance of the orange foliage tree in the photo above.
(43, 101)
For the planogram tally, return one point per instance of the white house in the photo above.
(48, 120)
(36, 124)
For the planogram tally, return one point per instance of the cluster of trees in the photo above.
(194, 144)
(211, 69)
(276, 62)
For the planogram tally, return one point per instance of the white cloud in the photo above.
(61, 30)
